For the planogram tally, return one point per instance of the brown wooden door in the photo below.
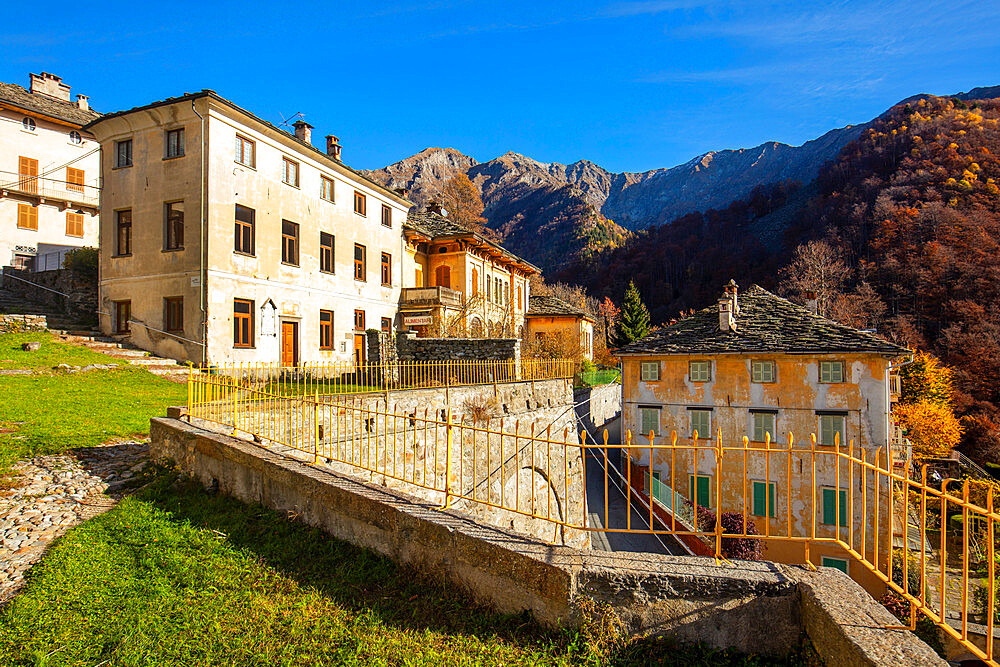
(289, 343)
(359, 349)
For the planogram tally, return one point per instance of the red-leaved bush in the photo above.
(740, 548)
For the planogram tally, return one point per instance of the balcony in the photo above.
(895, 387)
(417, 297)
(49, 190)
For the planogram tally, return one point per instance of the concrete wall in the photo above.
(81, 291)
(599, 408)
(761, 608)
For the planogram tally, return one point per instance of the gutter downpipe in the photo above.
(204, 244)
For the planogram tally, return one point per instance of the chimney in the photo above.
(83, 102)
(811, 303)
(433, 207)
(402, 192)
(333, 147)
(49, 85)
(303, 131)
(731, 290)
(726, 320)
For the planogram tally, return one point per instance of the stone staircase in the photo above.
(125, 351)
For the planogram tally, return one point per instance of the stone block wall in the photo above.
(452, 349)
(77, 297)
(19, 323)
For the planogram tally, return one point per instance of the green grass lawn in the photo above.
(174, 576)
(51, 411)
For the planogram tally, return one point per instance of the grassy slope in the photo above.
(51, 412)
(175, 576)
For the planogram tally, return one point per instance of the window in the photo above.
(24, 263)
(832, 429)
(326, 188)
(246, 152)
(762, 371)
(386, 269)
(28, 124)
(173, 235)
(498, 291)
(173, 313)
(123, 314)
(520, 300)
(700, 489)
(27, 216)
(326, 329)
(123, 232)
(245, 230)
(831, 371)
(488, 290)
(123, 153)
(763, 423)
(75, 137)
(649, 420)
(649, 370)
(289, 243)
(175, 143)
(701, 423)
(74, 224)
(359, 262)
(360, 204)
(829, 500)
(386, 325)
(442, 277)
(359, 320)
(386, 216)
(242, 323)
(326, 252)
(475, 281)
(700, 371)
(27, 174)
(74, 179)
(289, 172)
(836, 563)
(763, 499)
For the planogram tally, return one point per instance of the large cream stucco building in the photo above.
(49, 174)
(226, 239)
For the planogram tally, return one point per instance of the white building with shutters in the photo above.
(49, 174)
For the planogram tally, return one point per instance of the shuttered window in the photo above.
(74, 179)
(700, 489)
(829, 501)
(27, 216)
(649, 371)
(74, 224)
(649, 421)
(27, 174)
(763, 499)
(762, 371)
(701, 422)
(763, 423)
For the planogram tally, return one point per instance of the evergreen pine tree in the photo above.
(633, 322)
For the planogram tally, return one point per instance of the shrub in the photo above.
(733, 523)
(83, 262)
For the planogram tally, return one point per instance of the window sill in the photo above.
(75, 236)
(117, 256)
(291, 185)
(329, 273)
(360, 280)
(28, 229)
(248, 166)
(173, 157)
(173, 249)
(363, 215)
(121, 166)
(244, 254)
(244, 347)
(294, 266)
(329, 201)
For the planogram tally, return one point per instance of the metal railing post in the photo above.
(449, 440)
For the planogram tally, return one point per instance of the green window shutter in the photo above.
(838, 563)
(704, 490)
(829, 508)
(758, 498)
(843, 509)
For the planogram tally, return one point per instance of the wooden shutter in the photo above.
(74, 224)
(27, 216)
(74, 179)
(27, 169)
(701, 485)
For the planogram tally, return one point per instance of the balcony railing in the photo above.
(431, 296)
(44, 187)
(895, 387)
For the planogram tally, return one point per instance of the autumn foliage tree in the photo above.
(461, 199)
(925, 407)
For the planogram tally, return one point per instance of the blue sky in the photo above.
(630, 85)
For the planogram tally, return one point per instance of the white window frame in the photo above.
(701, 365)
(649, 371)
(707, 434)
(757, 373)
(826, 374)
(823, 429)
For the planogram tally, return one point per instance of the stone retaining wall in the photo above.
(761, 608)
(19, 323)
(80, 301)
(454, 349)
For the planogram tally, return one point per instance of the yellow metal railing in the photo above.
(931, 546)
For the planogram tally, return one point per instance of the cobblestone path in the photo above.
(54, 493)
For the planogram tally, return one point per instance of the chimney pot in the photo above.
(303, 131)
(83, 102)
(811, 302)
(402, 192)
(49, 85)
(726, 320)
(433, 207)
(333, 147)
(731, 294)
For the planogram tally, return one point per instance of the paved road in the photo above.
(635, 542)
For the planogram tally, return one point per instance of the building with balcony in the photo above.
(463, 283)
(226, 239)
(761, 367)
(49, 174)
(569, 329)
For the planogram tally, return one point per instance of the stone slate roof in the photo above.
(766, 323)
(550, 306)
(187, 97)
(435, 225)
(45, 105)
